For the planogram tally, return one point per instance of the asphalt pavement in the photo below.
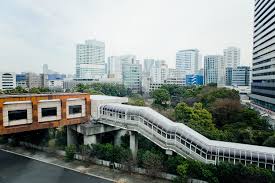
(19, 169)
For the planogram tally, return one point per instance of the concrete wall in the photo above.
(98, 100)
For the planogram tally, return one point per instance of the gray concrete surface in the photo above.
(19, 169)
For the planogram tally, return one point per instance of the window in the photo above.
(17, 115)
(75, 109)
(51, 111)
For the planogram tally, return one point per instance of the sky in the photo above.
(37, 32)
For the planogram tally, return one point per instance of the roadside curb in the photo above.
(61, 166)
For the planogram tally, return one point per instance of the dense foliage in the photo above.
(20, 90)
(216, 113)
(111, 89)
(161, 98)
(223, 172)
(109, 152)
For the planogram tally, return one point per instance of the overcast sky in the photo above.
(33, 32)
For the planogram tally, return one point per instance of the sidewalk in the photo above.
(84, 167)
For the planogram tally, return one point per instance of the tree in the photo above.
(183, 112)
(152, 162)
(182, 170)
(270, 141)
(198, 119)
(172, 163)
(224, 111)
(161, 97)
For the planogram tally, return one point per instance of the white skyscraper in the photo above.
(232, 57)
(214, 69)
(188, 61)
(114, 67)
(90, 60)
(159, 72)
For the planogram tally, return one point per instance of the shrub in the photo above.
(70, 152)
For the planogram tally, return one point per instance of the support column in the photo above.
(71, 136)
(91, 139)
(133, 144)
(118, 135)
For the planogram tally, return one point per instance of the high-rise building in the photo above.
(114, 67)
(159, 72)
(232, 57)
(148, 65)
(263, 65)
(132, 75)
(214, 70)
(35, 80)
(90, 60)
(21, 80)
(115, 64)
(45, 69)
(228, 76)
(7, 80)
(241, 76)
(188, 61)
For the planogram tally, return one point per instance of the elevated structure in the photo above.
(20, 113)
(181, 139)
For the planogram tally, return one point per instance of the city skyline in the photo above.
(50, 34)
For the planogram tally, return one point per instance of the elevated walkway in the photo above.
(181, 139)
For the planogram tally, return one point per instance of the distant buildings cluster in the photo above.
(223, 70)
(128, 70)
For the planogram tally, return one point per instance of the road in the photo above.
(19, 169)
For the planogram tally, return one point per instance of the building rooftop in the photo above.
(106, 97)
(38, 95)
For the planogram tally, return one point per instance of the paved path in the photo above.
(19, 169)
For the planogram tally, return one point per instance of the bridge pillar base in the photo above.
(118, 135)
(88, 140)
(134, 144)
(71, 136)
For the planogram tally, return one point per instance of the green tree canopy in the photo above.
(161, 97)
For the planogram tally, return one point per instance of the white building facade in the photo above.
(188, 61)
(7, 80)
(214, 70)
(90, 60)
(232, 57)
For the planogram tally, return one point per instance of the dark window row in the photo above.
(17, 115)
(261, 62)
(75, 109)
(265, 74)
(52, 111)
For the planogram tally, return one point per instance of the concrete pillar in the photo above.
(91, 139)
(118, 135)
(71, 136)
(133, 144)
